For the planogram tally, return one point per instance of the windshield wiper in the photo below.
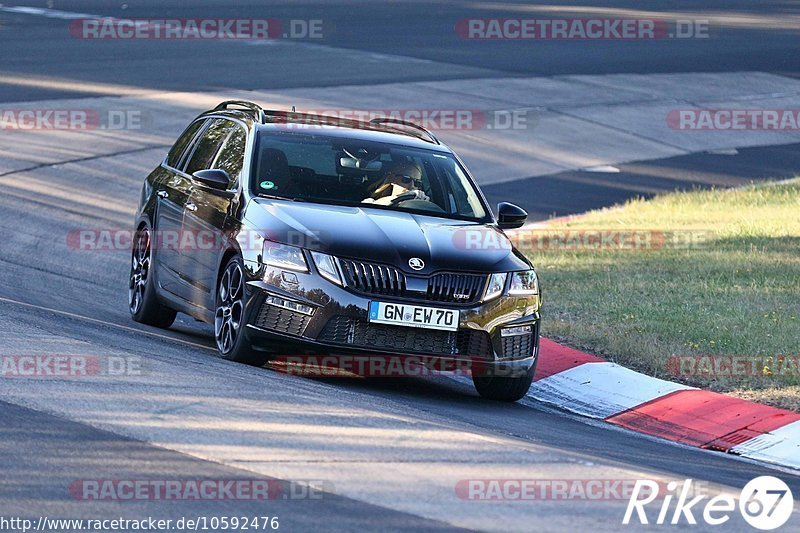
(288, 198)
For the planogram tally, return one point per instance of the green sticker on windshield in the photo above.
(267, 185)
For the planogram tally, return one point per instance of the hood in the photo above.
(383, 236)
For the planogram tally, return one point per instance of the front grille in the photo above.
(517, 346)
(384, 280)
(349, 331)
(281, 320)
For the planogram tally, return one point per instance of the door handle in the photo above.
(162, 194)
(191, 207)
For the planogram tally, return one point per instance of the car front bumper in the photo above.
(292, 313)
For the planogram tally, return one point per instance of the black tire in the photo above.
(230, 332)
(506, 388)
(143, 302)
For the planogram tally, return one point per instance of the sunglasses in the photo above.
(405, 178)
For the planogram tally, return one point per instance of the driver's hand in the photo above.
(398, 194)
(415, 194)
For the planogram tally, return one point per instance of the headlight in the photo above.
(284, 256)
(327, 267)
(524, 284)
(496, 285)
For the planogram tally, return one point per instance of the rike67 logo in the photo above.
(766, 503)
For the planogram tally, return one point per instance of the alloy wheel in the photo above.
(230, 307)
(140, 270)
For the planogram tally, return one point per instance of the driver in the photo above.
(401, 183)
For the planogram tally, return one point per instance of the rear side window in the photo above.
(231, 156)
(174, 156)
(209, 144)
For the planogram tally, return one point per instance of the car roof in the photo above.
(385, 129)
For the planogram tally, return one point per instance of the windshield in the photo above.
(334, 170)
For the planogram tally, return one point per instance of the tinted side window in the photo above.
(231, 156)
(174, 157)
(208, 145)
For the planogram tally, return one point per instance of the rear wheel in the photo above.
(229, 319)
(142, 300)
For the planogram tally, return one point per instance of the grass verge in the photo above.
(701, 287)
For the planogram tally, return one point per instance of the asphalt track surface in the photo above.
(745, 35)
(388, 452)
(575, 192)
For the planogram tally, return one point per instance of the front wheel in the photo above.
(504, 389)
(229, 318)
(507, 388)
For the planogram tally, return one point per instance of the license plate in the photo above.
(415, 316)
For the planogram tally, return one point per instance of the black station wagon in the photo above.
(300, 233)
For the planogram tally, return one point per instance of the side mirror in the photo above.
(215, 178)
(510, 216)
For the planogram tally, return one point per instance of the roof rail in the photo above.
(388, 120)
(263, 115)
(243, 103)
